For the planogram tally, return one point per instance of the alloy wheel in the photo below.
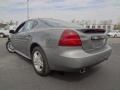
(38, 61)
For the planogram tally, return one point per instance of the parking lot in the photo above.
(17, 73)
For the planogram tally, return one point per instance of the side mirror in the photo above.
(12, 31)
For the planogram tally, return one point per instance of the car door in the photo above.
(15, 37)
(23, 37)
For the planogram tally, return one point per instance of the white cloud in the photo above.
(80, 2)
(108, 9)
(99, 14)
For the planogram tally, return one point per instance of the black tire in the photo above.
(45, 70)
(10, 50)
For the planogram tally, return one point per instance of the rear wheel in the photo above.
(40, 63)
(9, 47)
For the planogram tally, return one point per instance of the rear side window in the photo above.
(57, 24)
(60, 23)
(43, 24)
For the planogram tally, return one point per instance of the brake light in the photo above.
(70, 38)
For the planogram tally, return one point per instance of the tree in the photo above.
(2, 25)
(117, 26)
(11, 23)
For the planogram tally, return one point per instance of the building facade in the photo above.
(107, 25)
(99, 26)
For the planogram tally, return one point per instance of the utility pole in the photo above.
(28, 9)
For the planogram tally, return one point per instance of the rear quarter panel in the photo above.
(46, 38)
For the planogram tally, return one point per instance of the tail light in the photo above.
(70, 38)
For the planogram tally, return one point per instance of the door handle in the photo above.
(28, 36)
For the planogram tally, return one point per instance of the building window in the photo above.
(93, 27)
(109, 27)
(87, 26)
(104, 27)
(99, 27)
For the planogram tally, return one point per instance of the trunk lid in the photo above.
(93, 39)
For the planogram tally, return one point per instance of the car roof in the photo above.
(37, 19)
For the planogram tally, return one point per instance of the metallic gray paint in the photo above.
(61, 58)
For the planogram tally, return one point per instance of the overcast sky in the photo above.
(61, 9)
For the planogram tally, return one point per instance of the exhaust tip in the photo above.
(83, 70)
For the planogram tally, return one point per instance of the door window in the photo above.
(30, 25)
(20, 27)
(26, 26)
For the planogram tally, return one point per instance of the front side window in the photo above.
(30, 25)
(20, 28)
(26, 26)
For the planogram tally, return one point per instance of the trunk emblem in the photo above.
(97, 37)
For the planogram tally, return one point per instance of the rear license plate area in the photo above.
(98, 41)
(97, 37)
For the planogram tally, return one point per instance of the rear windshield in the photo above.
(59, 24)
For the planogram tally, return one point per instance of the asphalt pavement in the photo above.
(17, 73)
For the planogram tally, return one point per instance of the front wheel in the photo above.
(9, 47)
(40, 63)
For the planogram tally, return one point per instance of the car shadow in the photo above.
(67, 76)
(74, 76)
(24, 59)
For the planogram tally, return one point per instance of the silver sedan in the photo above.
(58, 45)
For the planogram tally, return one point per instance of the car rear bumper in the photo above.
(76, 59)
